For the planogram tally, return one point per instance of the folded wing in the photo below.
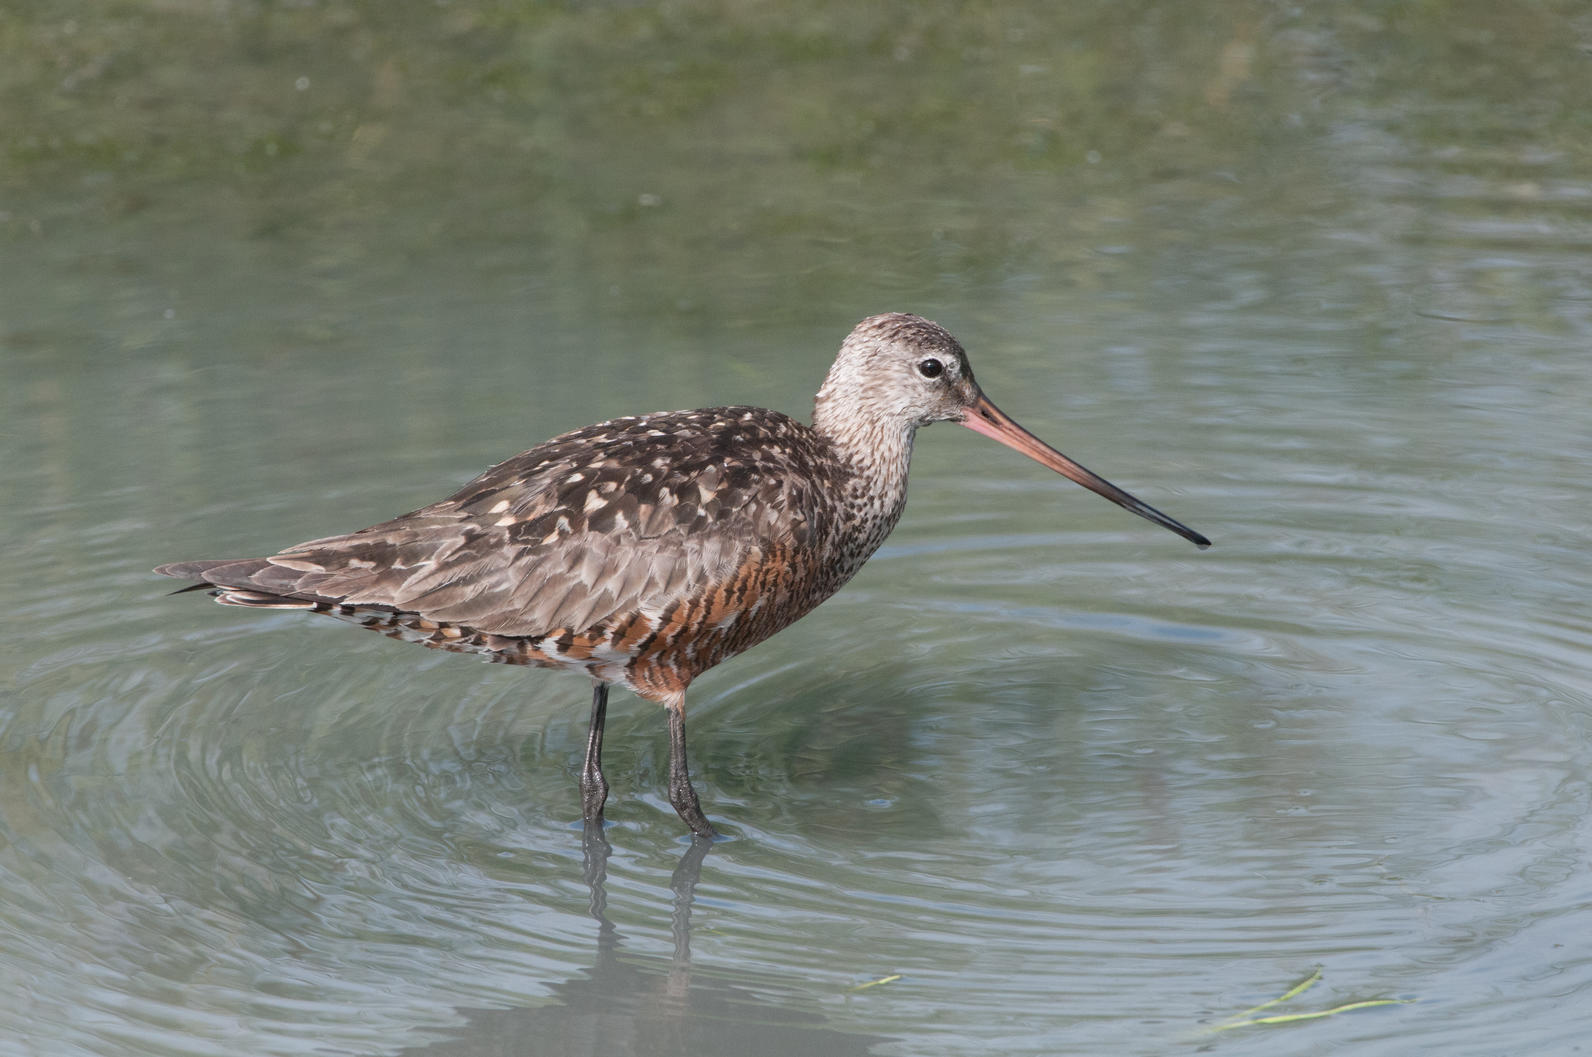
(620, 517)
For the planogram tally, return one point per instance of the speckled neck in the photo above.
(877, 447)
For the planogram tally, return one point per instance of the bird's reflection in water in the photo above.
(624, 1006)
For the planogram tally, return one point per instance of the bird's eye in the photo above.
(931, 368)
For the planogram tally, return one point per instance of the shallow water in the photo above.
(1044, 779)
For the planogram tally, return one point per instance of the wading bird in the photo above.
(645, 550)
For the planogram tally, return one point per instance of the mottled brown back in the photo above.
(634, 514)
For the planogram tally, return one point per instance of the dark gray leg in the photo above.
(681, 795)
(593, 786)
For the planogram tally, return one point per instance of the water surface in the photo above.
(1044, 779)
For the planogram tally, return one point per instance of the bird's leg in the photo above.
(681, 795)
(593, 786)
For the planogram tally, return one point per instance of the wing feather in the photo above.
(624, 516)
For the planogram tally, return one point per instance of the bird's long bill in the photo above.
(984, 417)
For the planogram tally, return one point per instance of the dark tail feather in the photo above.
(193, 570)
(229, 580)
